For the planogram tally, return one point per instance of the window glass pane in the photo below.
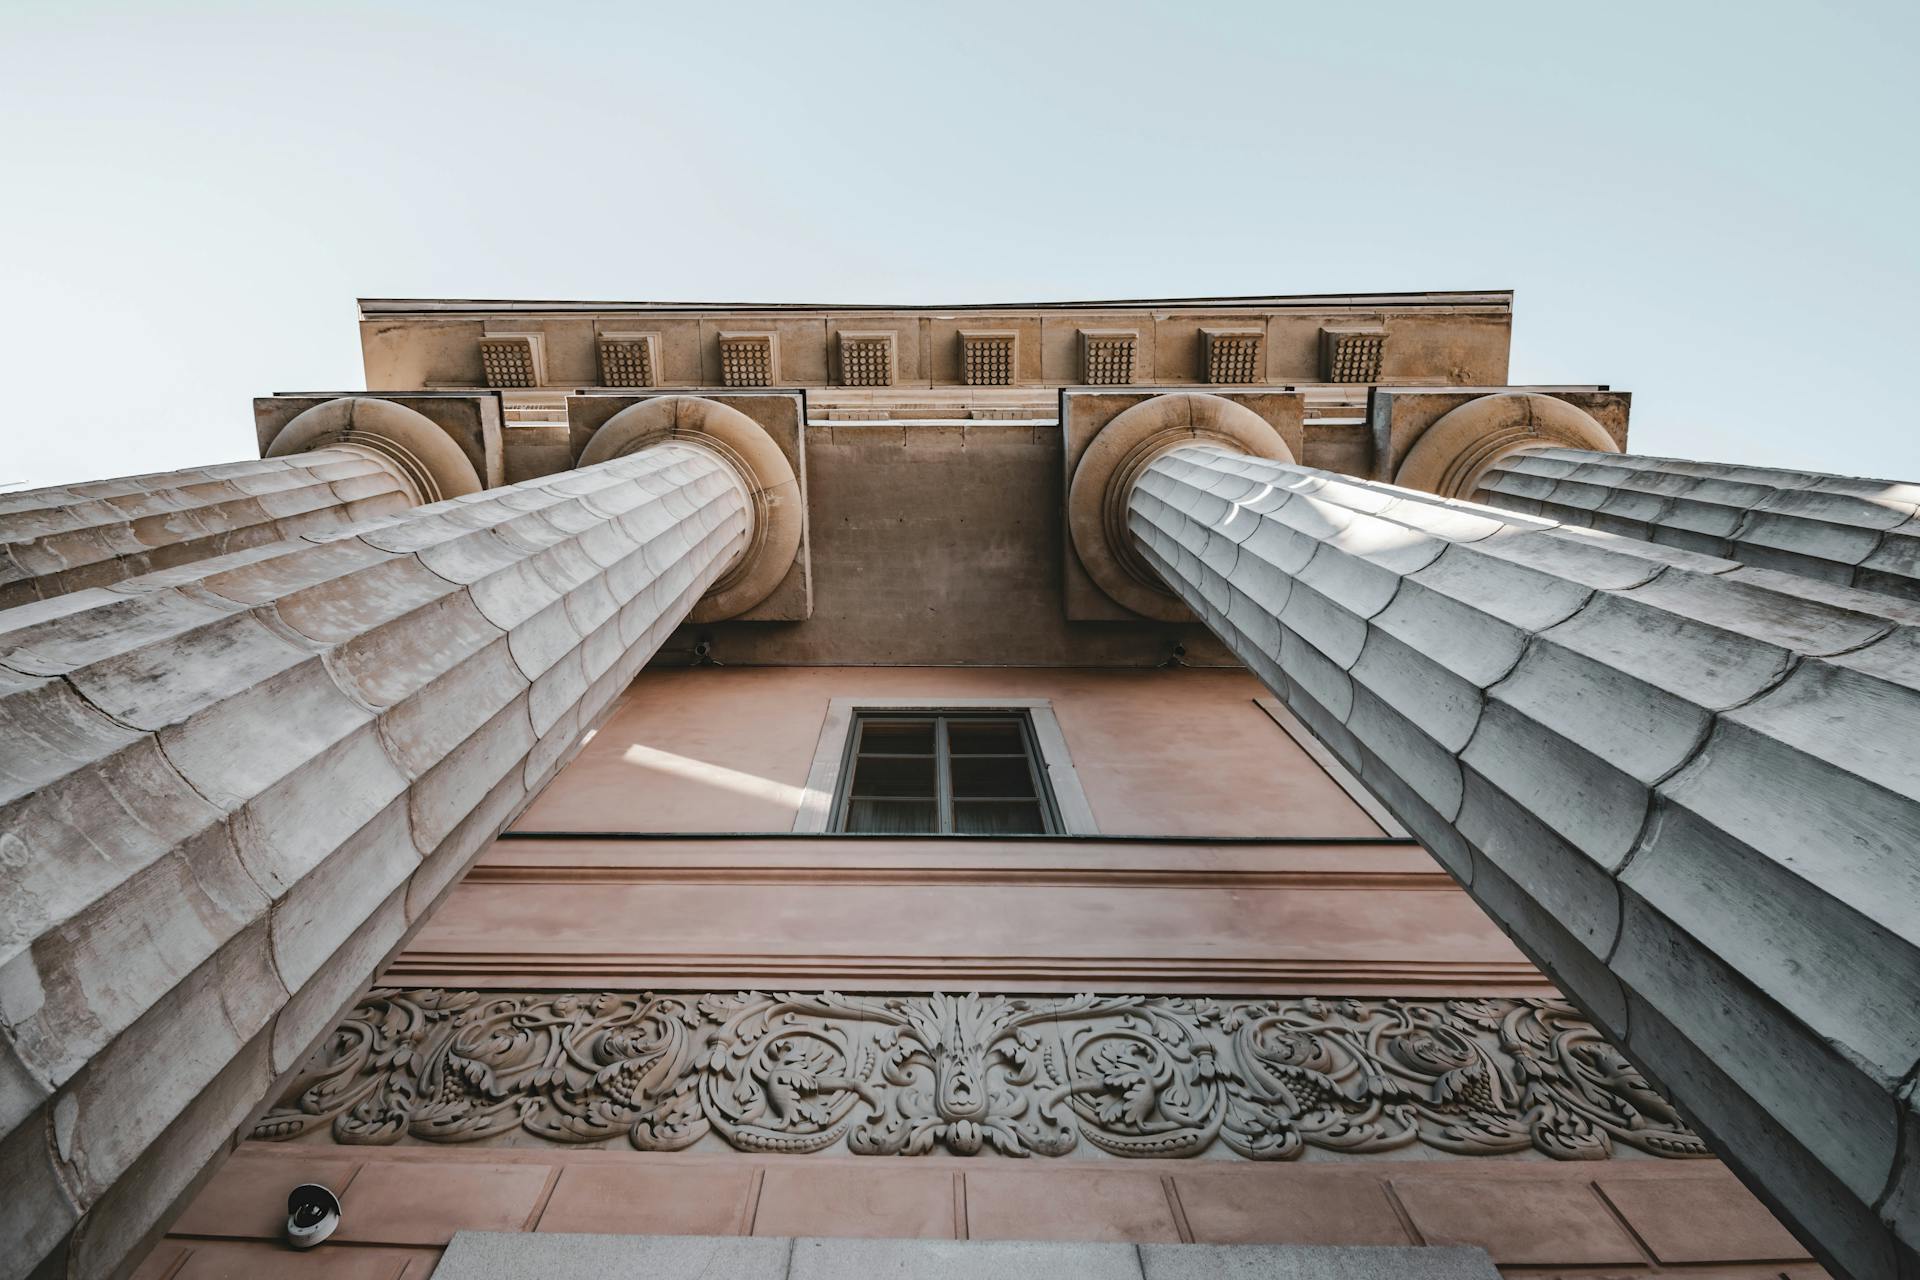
(897, 737)
(931, 773)
(880, 776)
(892, 817)
(997, 818)
(1004, 777)
(984, 737)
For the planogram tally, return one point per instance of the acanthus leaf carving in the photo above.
(1135, 1076)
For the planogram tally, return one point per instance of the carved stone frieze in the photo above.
(1139, 1076)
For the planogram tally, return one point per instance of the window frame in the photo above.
(943, 798)
(1077, 820)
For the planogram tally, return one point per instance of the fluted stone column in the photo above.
(1838, 529)
(1689, 788)
(341, 461)
(231, 788)
(74, 536)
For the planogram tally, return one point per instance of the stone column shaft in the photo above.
(231, 788)
(69, 537)
(1689, 788)
(1850, 532)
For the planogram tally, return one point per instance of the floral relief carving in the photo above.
(1134, 1076)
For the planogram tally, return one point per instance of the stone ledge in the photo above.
(505, 1256)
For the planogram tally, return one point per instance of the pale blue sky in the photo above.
(1712, 206)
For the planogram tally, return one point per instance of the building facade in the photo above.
(1190, 772)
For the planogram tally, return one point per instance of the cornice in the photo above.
(371, 308)
(1236, 975)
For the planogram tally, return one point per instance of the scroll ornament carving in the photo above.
(1136, 1076)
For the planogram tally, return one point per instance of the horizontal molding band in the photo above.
(959, 838)
(641, 969)
(910, 875)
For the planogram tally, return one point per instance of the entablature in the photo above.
(1408, 338)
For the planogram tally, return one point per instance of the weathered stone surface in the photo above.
(1838, 529)
(69, 537)
(1690, 789)
(245, 777)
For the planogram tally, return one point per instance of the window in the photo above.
(930, 773)
(825, 802)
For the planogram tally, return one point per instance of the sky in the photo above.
(1710, 205)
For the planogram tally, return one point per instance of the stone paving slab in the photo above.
(547, 1256)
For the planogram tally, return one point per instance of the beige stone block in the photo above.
(1708, 1218)
(437, 352)
(880, 1202)
(247, 1198)
(1069, 1205)
(1465, 350)
(657, 1199)
(1520, 1223)
(392, 1204)
(1239, 1207)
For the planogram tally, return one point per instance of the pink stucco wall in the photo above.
(1181, 752)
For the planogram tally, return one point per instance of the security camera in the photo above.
(702, 649)
(313, 1212)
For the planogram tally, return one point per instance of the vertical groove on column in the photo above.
(1849, 532)
(67, 538)
(232, 787)
(1690, 789)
